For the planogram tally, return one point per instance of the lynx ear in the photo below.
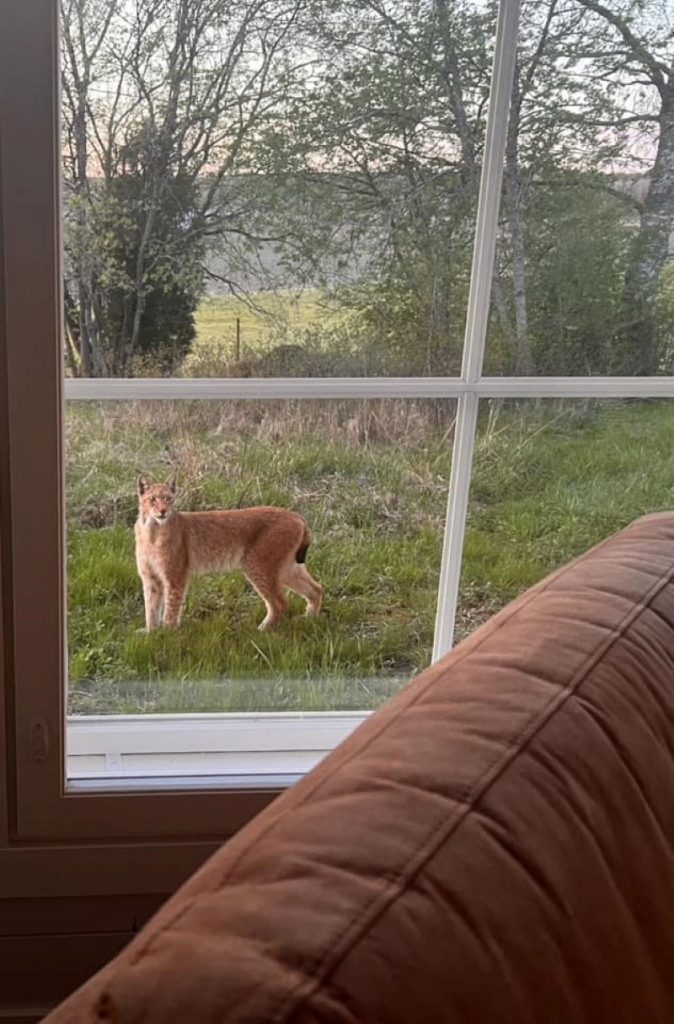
(172, 485)
(143, 484)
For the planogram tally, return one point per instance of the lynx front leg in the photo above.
(153, 596)
(173, 603)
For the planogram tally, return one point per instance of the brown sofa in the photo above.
(496, 844)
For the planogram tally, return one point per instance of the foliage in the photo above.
(664, 318)
(172, 280)
(386, 137)
(577, 238)
(286, 143)
(375, 137)
(159, 100)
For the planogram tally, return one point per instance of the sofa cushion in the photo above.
(496, 844)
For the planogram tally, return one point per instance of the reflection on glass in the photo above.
(370, 479)
(550, 480)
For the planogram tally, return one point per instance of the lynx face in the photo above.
(156, 501)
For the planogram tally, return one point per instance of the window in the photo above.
(134, 408)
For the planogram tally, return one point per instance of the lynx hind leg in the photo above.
(268, 586)
(299, 579)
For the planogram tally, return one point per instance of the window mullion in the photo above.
(476, 322)
(457, 506)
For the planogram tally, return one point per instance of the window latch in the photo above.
(39, 741)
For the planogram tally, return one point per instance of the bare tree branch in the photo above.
(657, 70)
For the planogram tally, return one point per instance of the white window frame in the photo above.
(41, 806)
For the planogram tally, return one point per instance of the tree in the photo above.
(158, 332)
(577, 240)
(374, 139)
(347, 135)
(395, 118)
(635, 57)
(557, 152)
(161, 99)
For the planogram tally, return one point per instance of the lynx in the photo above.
(268, 545)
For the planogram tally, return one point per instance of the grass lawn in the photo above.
(262, 320)
(371, 478)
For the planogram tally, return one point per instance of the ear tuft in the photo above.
(143, 484)
(172, 485)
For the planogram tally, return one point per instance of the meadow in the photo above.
(371, 477)
(231, 329)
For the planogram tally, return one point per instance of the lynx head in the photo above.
(156, 501)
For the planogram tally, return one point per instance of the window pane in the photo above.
(370, 478)
(551, 479)
(582, 284)
(285, 190)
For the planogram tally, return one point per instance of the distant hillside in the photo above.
(261, 209)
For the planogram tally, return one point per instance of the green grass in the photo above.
(374, 509)
(371, 478)
(265, 319)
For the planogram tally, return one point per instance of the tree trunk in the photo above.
(501, 306)
(451, 78)
(72, 335)
(81, 160)
(160, 174)
(650, 253)
(523, 359)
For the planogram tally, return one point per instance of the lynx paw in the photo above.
(265, 626)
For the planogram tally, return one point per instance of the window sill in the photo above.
(212, 751)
